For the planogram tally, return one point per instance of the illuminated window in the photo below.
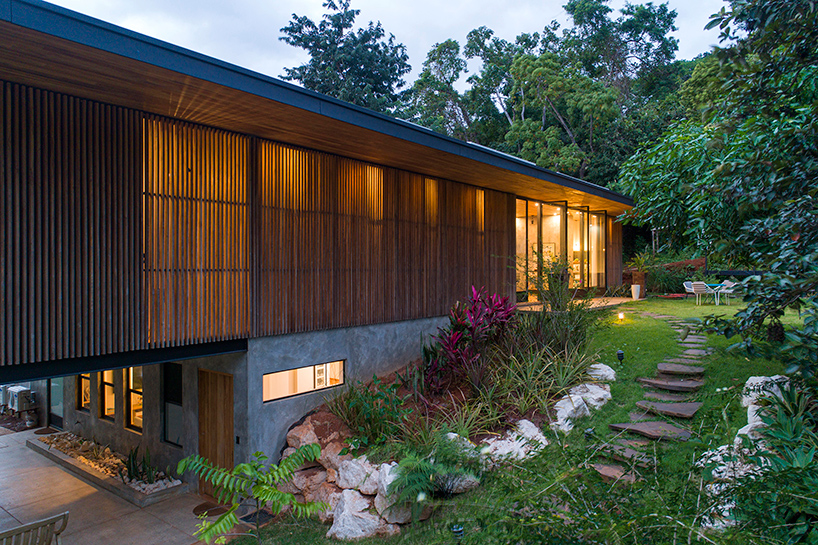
(84, 392)
(133, 396)
(107, 407)
(305, 379)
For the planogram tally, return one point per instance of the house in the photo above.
(192, 255)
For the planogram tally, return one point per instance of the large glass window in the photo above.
(133, 396)
(84, 392)
(107, 406)
(172, 394)
(540, 234)
(545, 231)
(596, 256)
(302, 380)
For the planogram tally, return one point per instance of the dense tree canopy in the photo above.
(579, 100)
(743, 180)
(355, 66)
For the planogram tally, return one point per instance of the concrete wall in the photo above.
(376, 349)
(258, 426)
(115, 434)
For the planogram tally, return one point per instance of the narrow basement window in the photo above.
(302, 380)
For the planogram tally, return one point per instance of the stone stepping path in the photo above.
(666, 397)
(679, 369)
(615, 473)
(656, 429)
(677, 385)
(681, 374)
(683, 361)
(677, 410)
(628, 455)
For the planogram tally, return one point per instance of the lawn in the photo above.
(670, 490)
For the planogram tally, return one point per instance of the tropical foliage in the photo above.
(741, 182)
(254, 483)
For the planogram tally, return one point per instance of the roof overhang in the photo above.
(46, 46)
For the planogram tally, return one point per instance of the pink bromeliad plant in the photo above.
(459, 350)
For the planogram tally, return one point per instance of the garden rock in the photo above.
(602, 372)
(303, 434)
(358, 474)
(457, 484)
(385, 502)
(325, 493)
(527, 429)
(569, 409)
(755, 387)
(309, 479)
(594, 395)
(516, 444)
(351, 520)
(331, 457)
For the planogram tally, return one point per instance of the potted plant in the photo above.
(640, 264)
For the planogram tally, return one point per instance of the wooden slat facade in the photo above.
(123, 230)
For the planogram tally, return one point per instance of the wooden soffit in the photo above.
(56, 49)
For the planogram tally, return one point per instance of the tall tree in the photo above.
(744, 182)
(355, 66)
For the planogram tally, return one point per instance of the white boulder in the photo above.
(755, 387)
(569, 409)
(594, 395)
(358, 474)
(386, 501)
(352, 521)
(517, 444)
(602, 372)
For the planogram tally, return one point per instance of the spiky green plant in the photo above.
(254, 483)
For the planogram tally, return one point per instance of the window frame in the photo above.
(102, 397)
(83, 378)
(343, 363)
(129, 390)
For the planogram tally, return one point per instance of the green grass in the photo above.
(646, 342)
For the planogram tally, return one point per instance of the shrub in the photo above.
(254, 483)
(373, 413)
(781, 503)
(459, 351)
(668, 280)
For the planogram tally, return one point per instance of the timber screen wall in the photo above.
(122, 231)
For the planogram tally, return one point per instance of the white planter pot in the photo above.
(635, 291)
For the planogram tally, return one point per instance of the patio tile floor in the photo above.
(32, 488)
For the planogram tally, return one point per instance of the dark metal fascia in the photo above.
(74, 366)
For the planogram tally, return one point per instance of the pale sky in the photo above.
(246, 32)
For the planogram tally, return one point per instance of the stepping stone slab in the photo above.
(679, 369)
(695, 352)
(678, 410)
(696, 338)
(678, 385)
(613, 472)
(639, 416)
(683, 361)
(691, 345)
(654, 430)
(628, 455)
(633, 442)
(662, 396)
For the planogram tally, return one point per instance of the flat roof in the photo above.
(53, 48)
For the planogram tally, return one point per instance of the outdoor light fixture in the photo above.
(621, 315)
(620, 355)
(458, 532)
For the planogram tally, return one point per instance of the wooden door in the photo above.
(215, 421)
